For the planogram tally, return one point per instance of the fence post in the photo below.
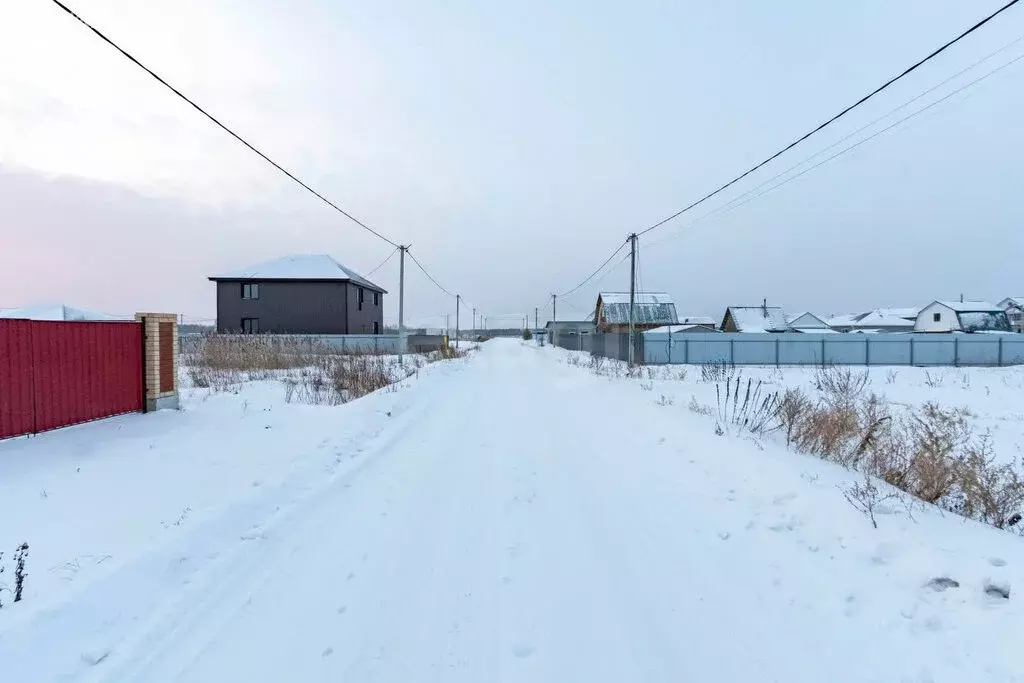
(686, 350)
(823, 351)
(732, 351)
(670, 346)
(956, 350)
(1000, 356)
(867, 349)
(911, 351)
(776, 352)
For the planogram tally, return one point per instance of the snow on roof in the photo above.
(808, 320)
(758, 318)
(648, 308)
(298, 267)
(1013, 301)
(638, 298)
(57, 312)
(971, 306)
(909, 312)
(844, 320)
(882, 318)
(698, 320)
(675, 329)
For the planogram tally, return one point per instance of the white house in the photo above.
(962, 316)
(808, 322)
(1014, 307)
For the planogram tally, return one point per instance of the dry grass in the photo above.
(931, 453)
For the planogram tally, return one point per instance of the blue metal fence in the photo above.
(833, 349)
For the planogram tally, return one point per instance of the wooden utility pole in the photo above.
(458, 301)
(536, 319)
(554, 307)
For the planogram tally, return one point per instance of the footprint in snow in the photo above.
(783, 499)
(522, 651)
(998, 589)
(997, 562)
(342, 609)
(941, 583)
(327, 652)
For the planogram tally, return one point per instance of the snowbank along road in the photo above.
(517, 519)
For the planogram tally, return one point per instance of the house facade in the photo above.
(808, 322)
(962, 316)
(558, 328)
(303, 294)
(650, 310)
(1014, 307)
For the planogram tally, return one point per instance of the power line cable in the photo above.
(382, 263)
(835, 118)
(735, 204)
(591, 276)
(221, 125)
(429, 276)
(873, 122)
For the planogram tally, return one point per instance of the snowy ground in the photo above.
(503, 517)
(993, 397)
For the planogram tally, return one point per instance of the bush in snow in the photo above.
(867, 497)
(20, 556)
(527, 335)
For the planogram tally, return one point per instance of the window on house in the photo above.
(362, 294)
(376, 298)
(251, 325)
(936, 317)
(250, 290)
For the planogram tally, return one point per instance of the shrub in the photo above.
(840, 386)
(527, 335)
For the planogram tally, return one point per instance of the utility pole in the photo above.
(536, 318)
(474, 320)
(554, 305)
(401, 303)
(458, 300)
(632, 291)
(447, 323)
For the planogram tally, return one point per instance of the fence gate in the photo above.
(55, 374)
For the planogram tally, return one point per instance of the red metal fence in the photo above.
(55, 374)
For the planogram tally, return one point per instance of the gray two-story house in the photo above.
(302, 294)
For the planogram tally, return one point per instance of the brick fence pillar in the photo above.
(159, 359)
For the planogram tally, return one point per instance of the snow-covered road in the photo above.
(524, 520)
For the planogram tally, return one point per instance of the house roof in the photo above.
(758, 318)
(676, 329)
(1013, 301)
(698, 320)
(844, 320)
(808, 320)
(299, 267)
(971, 306)
(883, 318)
(57, 312)
(648, 308)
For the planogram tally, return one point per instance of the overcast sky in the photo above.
(513, 144)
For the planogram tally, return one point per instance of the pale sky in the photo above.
(514, 145)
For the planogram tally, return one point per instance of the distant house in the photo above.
(1014, 307)
(302, 294)
(962, 316)
(650, 309)
(876, 320)
(808, 322)
(556, 328)
(762, 318)
(59, 312)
